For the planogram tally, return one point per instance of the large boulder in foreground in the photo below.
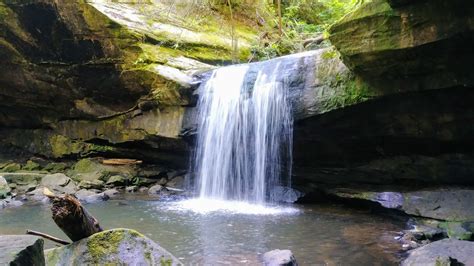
(21, 250)
(117, 246)
(444, 252)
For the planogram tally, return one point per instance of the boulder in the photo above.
(439, 252)
(131, 189)
(176, 182)
(10, 202)
(450, 204)
(279, 258)
(156, 189)
(391, 40)
(91, 184)
(89, 196)
(59, 182)
(117, 246)
(117, 180)
(4, 188)
(21, 250)
(111, 192)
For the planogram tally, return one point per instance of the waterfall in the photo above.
(244, 142)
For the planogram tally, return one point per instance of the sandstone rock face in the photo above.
(117, 246)
(108, 80)
(409, 45)
(21, 250)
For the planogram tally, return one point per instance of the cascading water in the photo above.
(245, 135)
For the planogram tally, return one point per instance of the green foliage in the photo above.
(302, 20)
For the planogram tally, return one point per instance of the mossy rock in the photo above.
(116, 246)
(55, 167)
(31, 166)
(12, 167)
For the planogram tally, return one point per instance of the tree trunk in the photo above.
(73, 218)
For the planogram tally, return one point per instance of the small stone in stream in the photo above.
(21, 250)
(143, 190)
(131, 189)
(154, 190)
(91, 184)
(111, 192)
(116, 180)
(10, 202)
(278, 257)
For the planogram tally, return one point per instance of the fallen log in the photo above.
(43, 235)
(71, 217)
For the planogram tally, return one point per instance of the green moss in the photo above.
(456, 230)
(62, 145)
(11, 167)
(85, 166)
(104, 243)
(55, 167)
(31, 166)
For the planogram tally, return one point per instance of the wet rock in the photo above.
(111, 193)
(21, 250)
(10, 202)
(131, 189)
(279, 258)
(154, 190)
(59, 183)
(286, 194)
(26, 188)
(176, 182)
(37, 195)
(423, 232)
(117, 180)
(117, 246)
(143, 190)
(88, 196)
(443, 250)
(91, 184)
(4, 188)
(456, 230)
(450, 204)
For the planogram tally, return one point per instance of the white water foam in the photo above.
(208, 206)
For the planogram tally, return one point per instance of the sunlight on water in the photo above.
(206, 206)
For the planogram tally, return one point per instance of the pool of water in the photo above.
(326, 235)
